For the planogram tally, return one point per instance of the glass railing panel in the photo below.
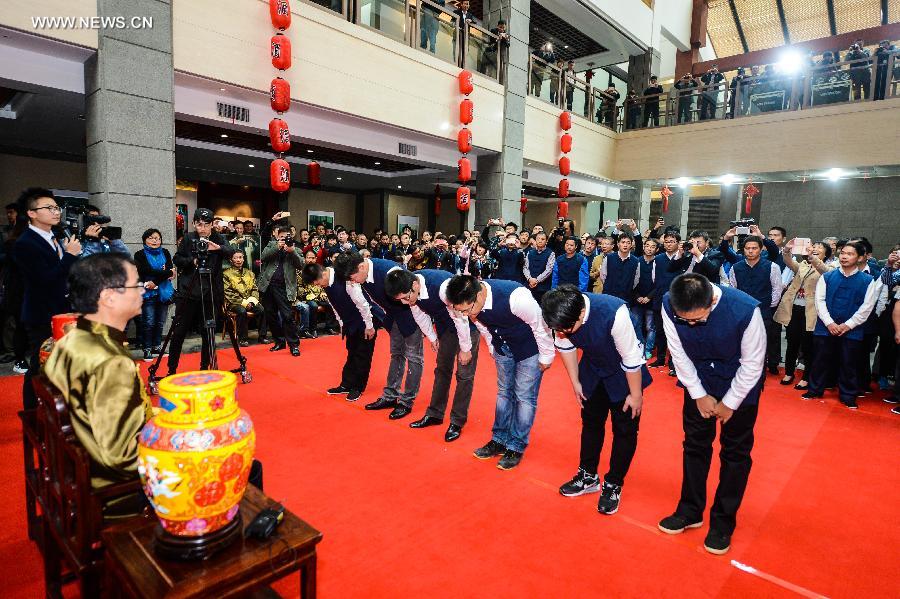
(604, 109)
(438, 31)
(481, 51)
(333, 5)
(387, 16)
(544, 81)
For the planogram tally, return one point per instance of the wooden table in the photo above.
(134, 570)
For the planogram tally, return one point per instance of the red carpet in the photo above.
(406, 515)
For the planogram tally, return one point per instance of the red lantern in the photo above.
(281, 51)
(280, 95)
(466, 111)
(565, 143)
(564, 166)
(280, 12)
(523, 205)
(465, 82)
(464, 140)
(465, 169)
(279, 135)
(565, 121)
(280, 175)
(562, 209)
(313, 173)
(463, 199)
(563, 188)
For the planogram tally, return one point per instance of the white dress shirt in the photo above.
(523, 305)
(548, 270)
(359, 300)
(624, 338)
(753, 357)
(49, 238)
(862, 313)
(774, 279)
(460, 322)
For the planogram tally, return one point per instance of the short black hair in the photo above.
(672, 234)
(346, 264)
(699, 233)
(463, 289)
(689, 292)
(752, 239)
(398, 281)
(331, 236)
(827, 247)
(781, 230)
(311, 272)
(859, 246)
(562, 307)
(513, 225)
(539, 233)
(92, 208)
(29, 197)
(13, 206)
(150, 232)
(624, 235)
(282, 229)
(866, 243)
(91, 275)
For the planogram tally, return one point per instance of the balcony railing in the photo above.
(551, 84)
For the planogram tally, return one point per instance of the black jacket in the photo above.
(147, 272)
(187, 273)
(708, 267)
(44, 275)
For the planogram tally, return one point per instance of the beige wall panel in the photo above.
(342, 204)
(19, 172)
(544, 213)
(592, 145)
(18, 15)
(371, 212)
(849, 135)
(336, 65)
(448, 222)
(407, 206)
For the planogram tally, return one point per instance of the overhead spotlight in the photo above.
(681, 182)
(377, 163)
(309, 151)
(340, 179)
(224, 135)
(252, 165)
(221, 89)
(791, 62)
(834, 174)
(728, 180)
(399, 187)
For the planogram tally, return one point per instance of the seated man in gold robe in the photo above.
(95, 373)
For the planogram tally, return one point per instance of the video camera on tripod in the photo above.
(200, 251)
(76, 218)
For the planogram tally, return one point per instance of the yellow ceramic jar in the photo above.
(195, 455)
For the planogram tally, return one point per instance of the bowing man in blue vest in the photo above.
(760, 278)
(406, 338)
(511, 323)
(509, 260)
(453, 337)
(718, 343)
(844, 299)
(571, 267)
(620, 271)
(354, 314)
(538, 267)
(608, 381)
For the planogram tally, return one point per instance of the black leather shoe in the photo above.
(656, 364)
(787, 380)
(810, 395)
(399, 412)
(381, 404)
(277, 347)
(773, 370)
(243, 343)
(672, 372)
(295, 350)
(312, 334)
(263, 340)
(425, 421)
(453, 433)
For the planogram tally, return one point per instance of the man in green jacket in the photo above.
(278, 285)
(242, 296)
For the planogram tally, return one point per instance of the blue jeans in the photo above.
(428, 35)
(154, 314)
(518, 384)
(303, 309)
(645, 326)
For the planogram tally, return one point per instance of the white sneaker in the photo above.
(20, 367)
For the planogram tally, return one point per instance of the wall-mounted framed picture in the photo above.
(408, 221)
(318, 217)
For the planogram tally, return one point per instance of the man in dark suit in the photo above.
(43, 262)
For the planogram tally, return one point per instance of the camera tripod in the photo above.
(208, 313)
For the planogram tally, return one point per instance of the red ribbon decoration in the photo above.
(666, 192)
(750, 191)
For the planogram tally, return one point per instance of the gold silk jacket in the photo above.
(107, 402)
(239, 285)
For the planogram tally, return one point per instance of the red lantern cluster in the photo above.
(565, 165)
(280, 95)
(464, 141)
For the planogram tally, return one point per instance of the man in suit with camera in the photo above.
(190, 301)
(43, 262)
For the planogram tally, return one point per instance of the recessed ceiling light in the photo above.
(224, 135)
(399, 187)
(309, 151)
(339, 179)
(221, 89)
(377, 163)
(565, 47)
(252, 165)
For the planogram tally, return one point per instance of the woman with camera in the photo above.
(154, 266)
(797, 310)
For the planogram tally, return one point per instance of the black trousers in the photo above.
(242, 319)
(887, 349)
(662, 344)
(187, 312)
(736, 439)
(36, 334)
(773, 342)
(799, 340)
(684, 112)
(864, 361)
(651, 113)
(280, 315)
(844, 351)
(593, 431)
(446, 359)
(355, 374)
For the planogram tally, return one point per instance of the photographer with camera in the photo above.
(278, 285)
(882, 55)
(861, 71)
(199, 252)
(696, 256)
(709, 99)
(98, 238)
(685, 86)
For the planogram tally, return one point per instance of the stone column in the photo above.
(729, 207)
(640, 68)
(635, 203)
(678, 211)
(130, 129)
(499, 176)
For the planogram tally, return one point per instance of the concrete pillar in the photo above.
(640, 68)
(729, 206)
(130, 121)
(678, 211)
(635, 203)
(499, 176)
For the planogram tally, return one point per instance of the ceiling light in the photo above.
(252, 165)
(791, 62)
(377, 163)
(728, 179)
(834, 174)
(309, 151)
(682, 182)
(566, 47)
(339, 179)
(224, 135)
(399, 187)
(221, 89)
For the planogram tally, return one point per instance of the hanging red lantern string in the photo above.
(280, 95)
(313, 173)
(464, 140)
(750, 191)
(665, 193)
(562, 209)
(565, 165)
